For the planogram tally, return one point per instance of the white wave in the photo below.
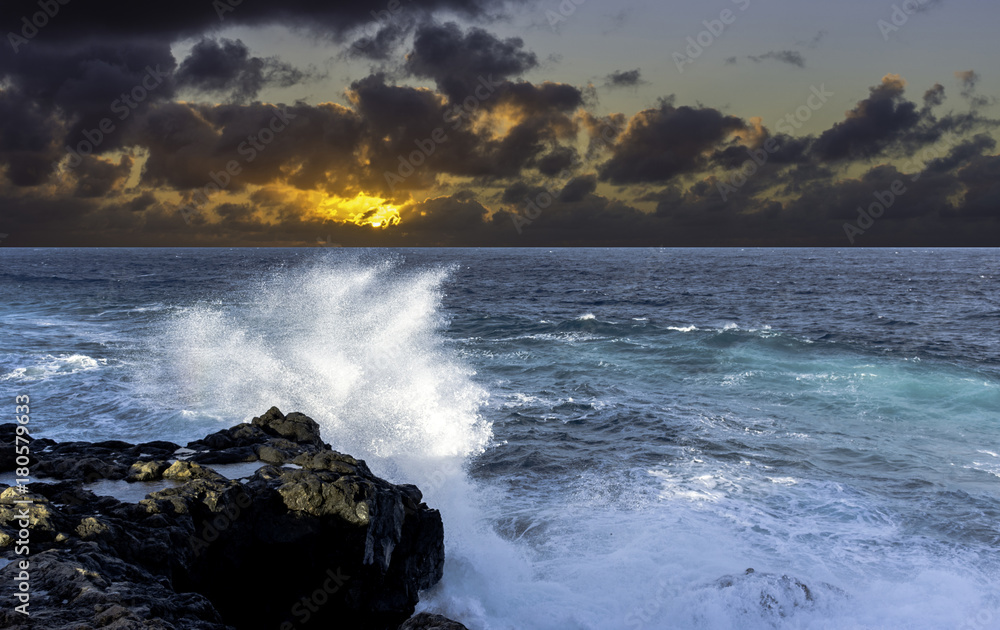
(360, 350)
(51, 365)
(356, 348)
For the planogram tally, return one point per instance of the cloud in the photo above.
(645, 178)
(458, 61)
(29, 137)
(123, 20)
(934, 96)
(784, 56)
(662, 143)
(556, 161)
(874, 123)
(970, 82)
(577, 188)
(221, 66)
(383, 44)
(97, 177)
(624, 78)
(969, 79)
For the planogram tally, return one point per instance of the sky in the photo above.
(522, 123)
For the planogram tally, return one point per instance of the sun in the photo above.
(362, 209)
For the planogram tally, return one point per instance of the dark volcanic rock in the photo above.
(295, 426)
(324, 542)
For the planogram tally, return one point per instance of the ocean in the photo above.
(608, 433)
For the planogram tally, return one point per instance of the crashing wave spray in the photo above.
(358, 347)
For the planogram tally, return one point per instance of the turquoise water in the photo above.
(607, 432)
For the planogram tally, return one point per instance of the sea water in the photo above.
(608, 434)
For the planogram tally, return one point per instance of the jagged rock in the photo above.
(77, 587)
(295, 426)
(324, 540)
(147, 471)
(189, 470)
(427, 621)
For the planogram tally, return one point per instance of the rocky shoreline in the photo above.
(309, 539)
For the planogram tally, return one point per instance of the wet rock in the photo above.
(182, 470)
(295, 426)
(324, 538)
(78, 587)
(427, 621)
(147, 471)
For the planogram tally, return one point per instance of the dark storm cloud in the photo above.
(96, 177)
(886, 123)
(787, 150)
(557, 161)
(65, 92)
(790, 57)
(591, 220)
(400, 120)
(962, 154)
(27, 139)
(226, 66)
(308, 146)
(577, 188)
(542, 99)
(382, 45)
(624, 78)
(981, 179)
(90, 62)
(457, 61)
(505, 141)
(664, 142)
(460, 212)
(169, 21)
(875, 123)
